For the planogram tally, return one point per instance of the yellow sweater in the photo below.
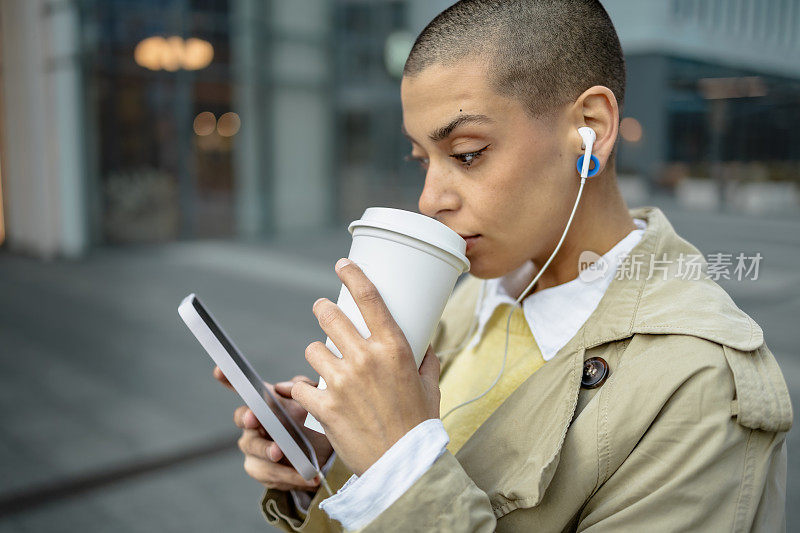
(472, 371)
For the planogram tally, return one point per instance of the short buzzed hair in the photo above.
(543, 52)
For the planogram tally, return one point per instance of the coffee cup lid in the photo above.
(417, 226)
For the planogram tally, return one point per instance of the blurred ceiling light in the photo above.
(228, 124)
(148, 52)
(745, 87)
(395, 51)
(173, 53)
(630, 129)
(197, 54)
(204, 123)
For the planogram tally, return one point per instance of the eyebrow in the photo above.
(443, 132)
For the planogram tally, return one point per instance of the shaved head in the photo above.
(542, 52)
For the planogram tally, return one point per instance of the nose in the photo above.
(438, 194)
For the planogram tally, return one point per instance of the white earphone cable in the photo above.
(324, 482)
(525, 292)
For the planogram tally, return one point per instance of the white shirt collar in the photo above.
(557, 313)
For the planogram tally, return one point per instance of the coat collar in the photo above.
(667, 303)
(644, 303)
(556, 313)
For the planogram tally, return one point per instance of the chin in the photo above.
(488, 264)
(482, 267)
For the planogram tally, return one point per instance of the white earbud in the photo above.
(588, 135)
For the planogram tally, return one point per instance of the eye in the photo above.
(469, 157)
(423, 162)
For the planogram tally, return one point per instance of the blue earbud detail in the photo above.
(592, 171)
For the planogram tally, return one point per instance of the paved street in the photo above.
(100, 375)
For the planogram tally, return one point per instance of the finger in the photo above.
(311, 399)
(337, 326)
(430, 368)
(277, 476)
(321, 359)
(244, 418)
(219, 376)
(376, 315)
(252, 443)
(284, 388)
(274, 453)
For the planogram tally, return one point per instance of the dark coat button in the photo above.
(595, 372)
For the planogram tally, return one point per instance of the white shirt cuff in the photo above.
(362, 499)
(302, 499)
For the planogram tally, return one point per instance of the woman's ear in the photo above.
(597, 108)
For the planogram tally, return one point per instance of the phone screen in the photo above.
(255, 380)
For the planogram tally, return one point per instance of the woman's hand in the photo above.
(375, 394)
(263, 459)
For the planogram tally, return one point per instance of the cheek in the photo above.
(521, 200)
(541, 185)
(517, 209)
(514, 200)
(494, 209)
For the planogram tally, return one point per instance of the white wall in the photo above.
(43, 159)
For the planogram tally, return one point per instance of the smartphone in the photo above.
(282, 429)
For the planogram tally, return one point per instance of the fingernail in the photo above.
(343, 262)
(285, 384)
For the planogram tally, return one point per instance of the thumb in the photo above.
(430, 368)
(284, 388)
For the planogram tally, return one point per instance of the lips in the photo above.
(470, 239)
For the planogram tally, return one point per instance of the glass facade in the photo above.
(159, 172)
(757, 115)
(155, 176)
(718, 122)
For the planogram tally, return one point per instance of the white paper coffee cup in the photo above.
(414, 261)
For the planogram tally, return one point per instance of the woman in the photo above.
(639, 397)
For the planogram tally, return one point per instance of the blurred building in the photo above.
(152, 120)
(713, 89)
(156, 120)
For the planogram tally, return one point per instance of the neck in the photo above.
(601, 221)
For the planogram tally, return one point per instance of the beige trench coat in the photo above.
(686, 434)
